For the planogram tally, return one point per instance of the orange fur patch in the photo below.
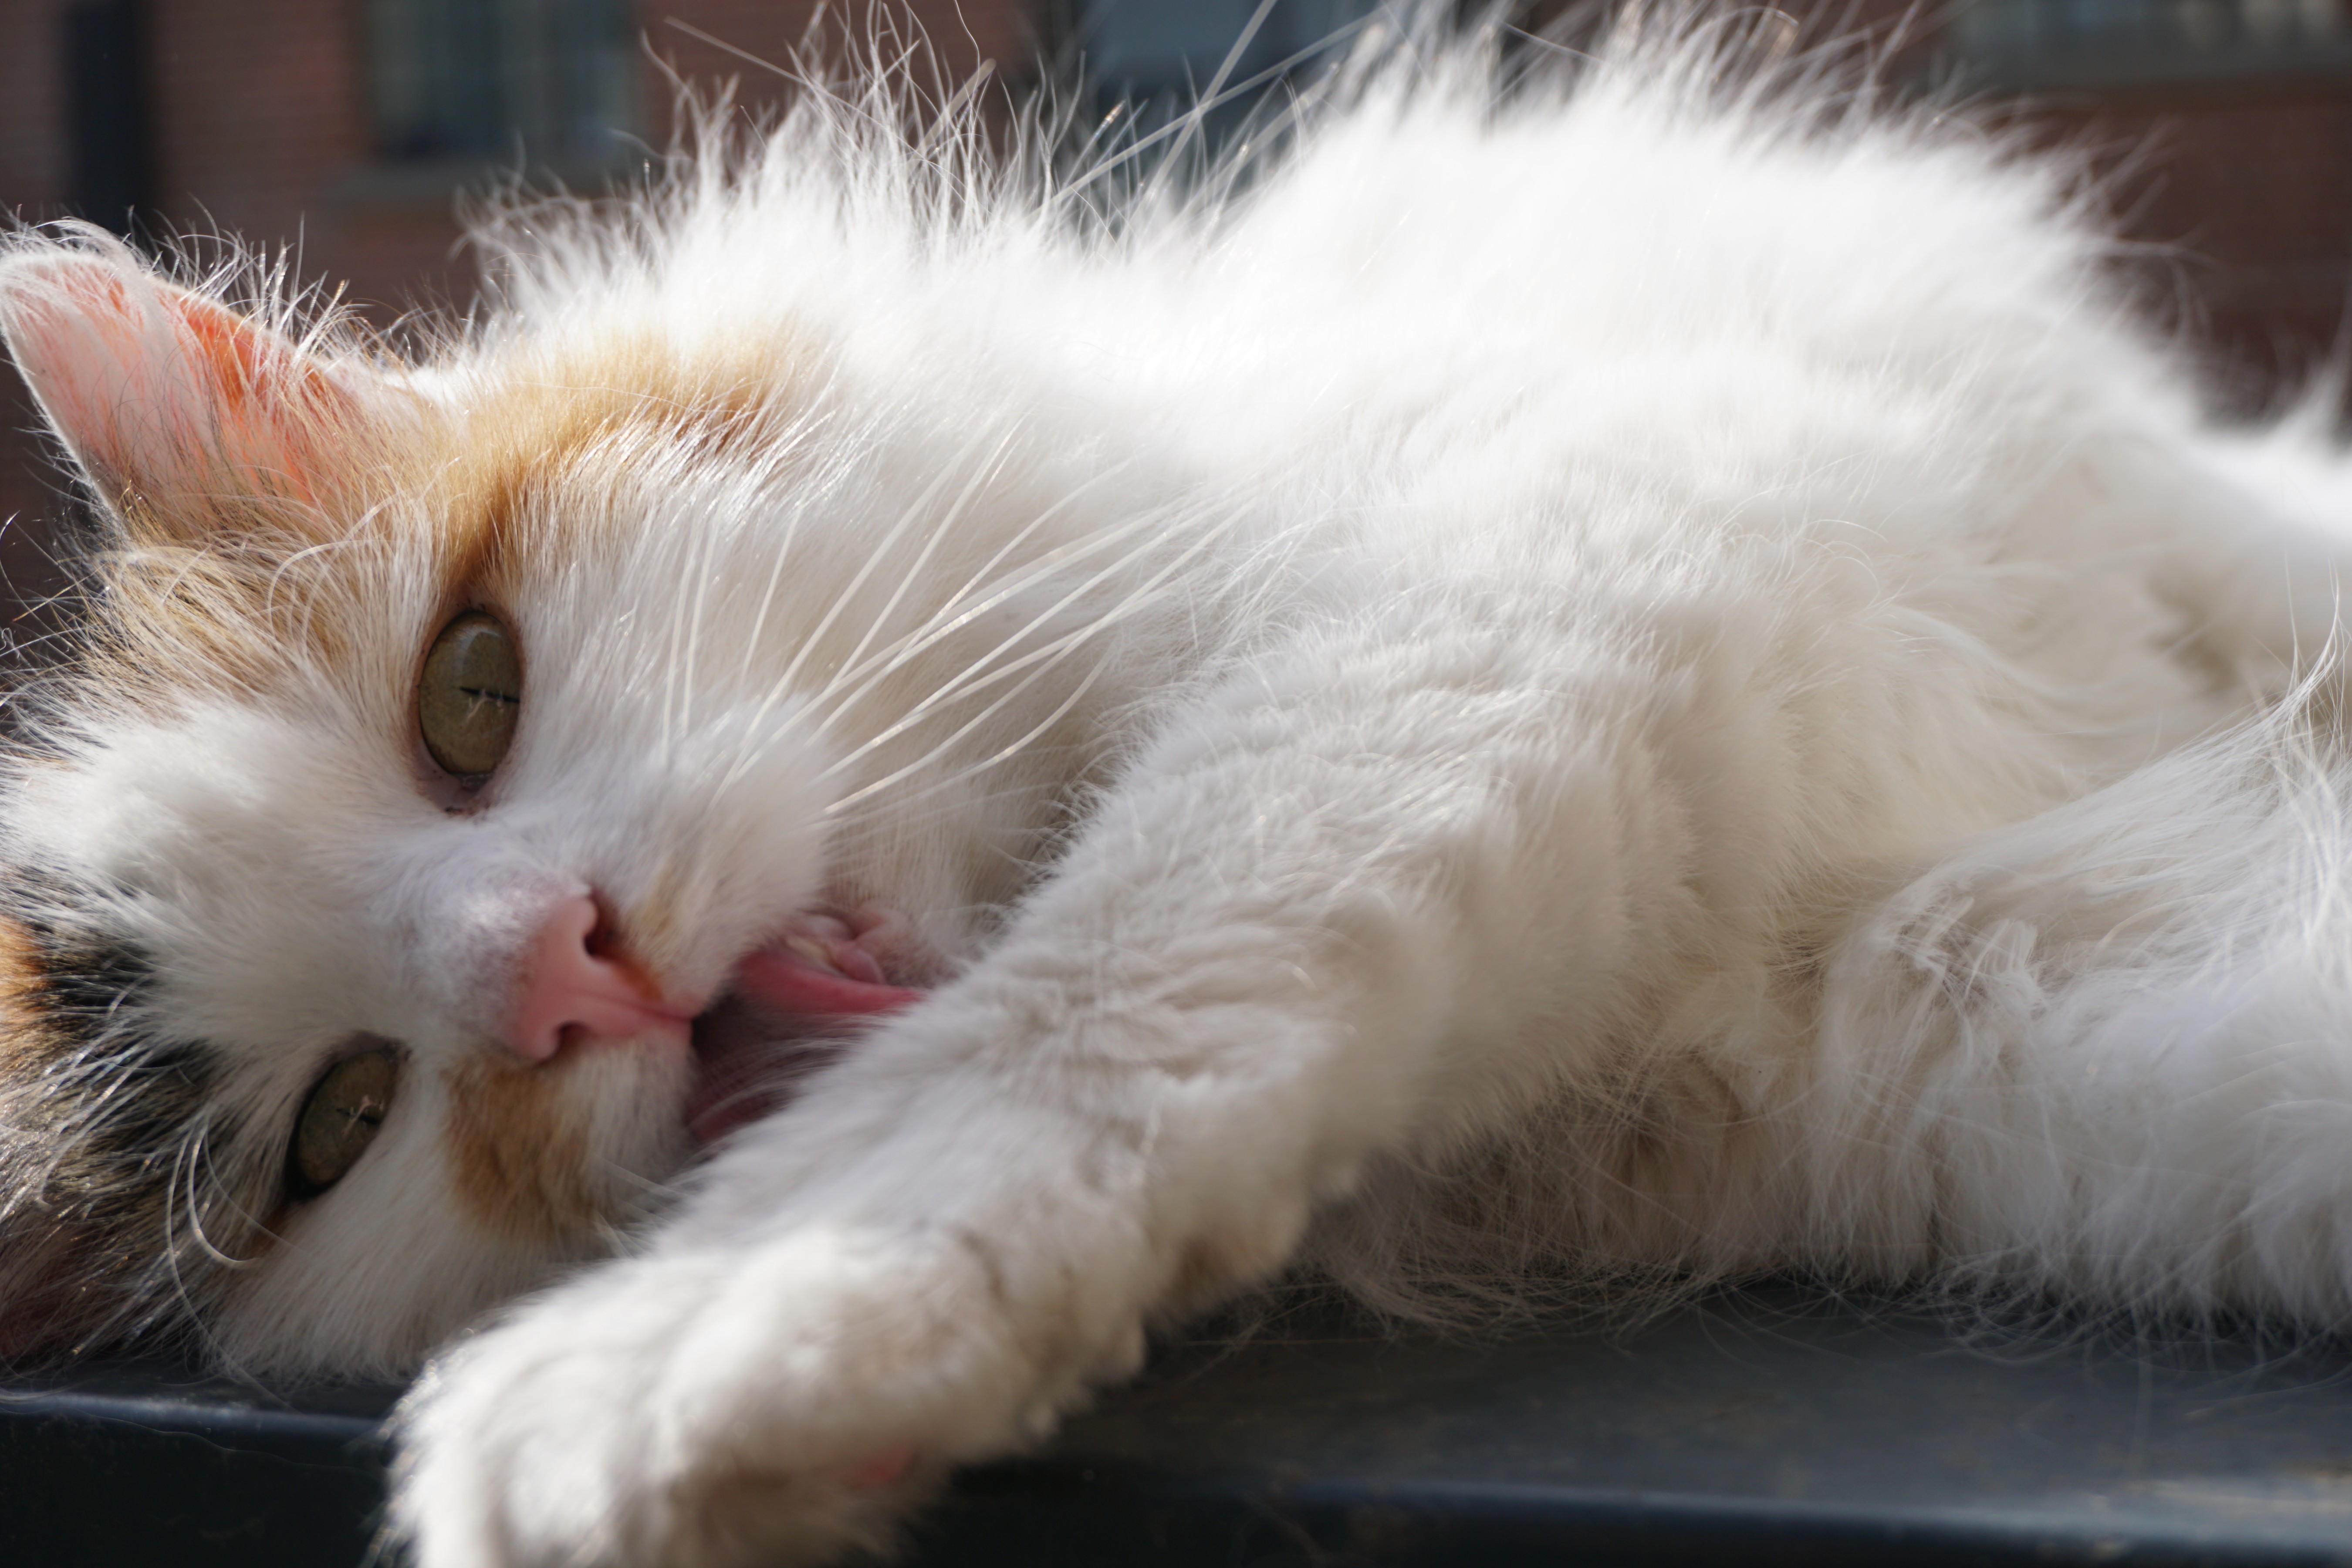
(267, 556)
(24, 1043)
(520, 447)
(519, 1156)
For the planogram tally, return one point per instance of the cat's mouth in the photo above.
(789, 1008)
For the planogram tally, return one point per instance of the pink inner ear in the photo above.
(160, 392)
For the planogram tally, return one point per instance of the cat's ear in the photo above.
(182, 413)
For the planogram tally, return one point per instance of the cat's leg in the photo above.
(2105, 1055)
(1324, 916)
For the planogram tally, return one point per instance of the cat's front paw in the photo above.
(712, 1410)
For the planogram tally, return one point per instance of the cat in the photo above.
(1626, 671)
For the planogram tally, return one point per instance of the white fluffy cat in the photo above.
(1644, 676)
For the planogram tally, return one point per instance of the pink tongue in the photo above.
(779, 978)
(773, 1027)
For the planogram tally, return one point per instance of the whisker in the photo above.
(1058, 650)
(977, 675)
(781, 554)
(696, 617)
(944, 625)
(194, 1151)
(872, 562)
(993, 760)
(940, 530)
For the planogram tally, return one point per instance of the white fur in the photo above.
(1667, 653)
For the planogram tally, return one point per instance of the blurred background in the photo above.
(350, 129)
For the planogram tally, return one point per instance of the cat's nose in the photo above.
(577, 986)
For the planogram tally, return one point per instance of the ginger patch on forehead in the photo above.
(587, 417)
(518, 1150)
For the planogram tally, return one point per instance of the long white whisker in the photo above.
(783, 682)
(973, 770)
(971, 583)
(940, 531)
(696, 618)
(1051, 654)
(978, 676)
(931, 631)
(195, 1150)
(945, 625)
(783, 550)
(670, 662)
(1060, 651)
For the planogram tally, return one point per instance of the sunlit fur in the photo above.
(1624, 674)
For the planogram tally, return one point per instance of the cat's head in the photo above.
(460, 783)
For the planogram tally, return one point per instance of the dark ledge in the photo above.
(1770, 1428)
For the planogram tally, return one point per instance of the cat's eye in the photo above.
(340, 1120)
(469, 695)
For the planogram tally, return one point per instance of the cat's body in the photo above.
(1642, 686)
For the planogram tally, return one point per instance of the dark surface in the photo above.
(1770, 1427)
(130, 1467)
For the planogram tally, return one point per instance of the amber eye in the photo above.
(471, 695)
(340, 1120)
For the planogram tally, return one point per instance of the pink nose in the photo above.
(574, 988)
